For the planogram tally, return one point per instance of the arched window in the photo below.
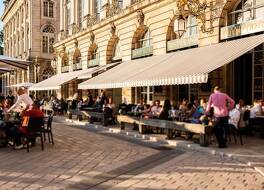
(48, 8)
(116, 51)
(77, 56)
(246, 10)
(47, 73)
(65, 60)
(48, 38)
(145, 40)
(191, 26)
(94, 53)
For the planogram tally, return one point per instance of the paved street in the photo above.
(86, 159)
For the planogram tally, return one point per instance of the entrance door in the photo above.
(258, 73)
(249, 75)
(243, 78)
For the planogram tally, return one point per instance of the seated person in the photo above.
(139, 107)
(156, 109)
(234, 117)
(256, 110)
(98, 107)
(164, 114)
(18, 131)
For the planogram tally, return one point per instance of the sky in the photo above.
(1, 12)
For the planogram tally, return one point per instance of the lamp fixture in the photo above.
(198, 10)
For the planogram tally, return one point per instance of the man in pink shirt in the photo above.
(221, 104)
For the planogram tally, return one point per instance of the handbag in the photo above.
(25, 121)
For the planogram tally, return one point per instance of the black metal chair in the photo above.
(34, 128)
(47, 129)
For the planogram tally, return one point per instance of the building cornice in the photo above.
(7, 9)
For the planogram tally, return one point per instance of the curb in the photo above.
(181, 144)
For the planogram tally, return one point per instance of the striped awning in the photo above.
(55, 82)
(183, 67)
(13, 63)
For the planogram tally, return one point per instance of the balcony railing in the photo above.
(77, 66)
(241, 29)
(142, 52)
(65, 69)
(93, 62)
(182, 43)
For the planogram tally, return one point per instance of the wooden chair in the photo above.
(47, 129)
(35, 126)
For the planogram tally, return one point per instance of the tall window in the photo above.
(22, 15)
(120, 3)
(81, 12)
(95, 54)
(116, 51)
(47, 73)
(191, 28)
(48, 7)
(98, 5)
(146, 39)
(68, 14)
(48, 39)
(246, 10)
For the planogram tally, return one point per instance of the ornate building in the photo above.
(143, 32)
(30, 30)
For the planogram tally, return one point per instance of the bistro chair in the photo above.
(47, 129)
(35, 126)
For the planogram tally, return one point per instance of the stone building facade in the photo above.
(30, 30)
(100, 32)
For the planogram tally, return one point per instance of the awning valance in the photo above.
(183, 67)
(24, 84)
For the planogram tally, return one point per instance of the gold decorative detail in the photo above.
(113, 28)
(113, 9)
(140, 17)
(76, 43)
(75, 28)
(63, 34)
(197, 9)
(91, 20)
(92, 37)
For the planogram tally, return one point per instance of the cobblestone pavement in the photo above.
(88, 159)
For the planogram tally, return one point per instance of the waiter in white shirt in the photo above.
(24, 98)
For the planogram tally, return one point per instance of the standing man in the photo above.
(23, 98)
(221, 104)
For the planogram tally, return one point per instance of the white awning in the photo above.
(55, 82)
(99, 69)
(13, 63)
(24, 84)
(183, 67)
